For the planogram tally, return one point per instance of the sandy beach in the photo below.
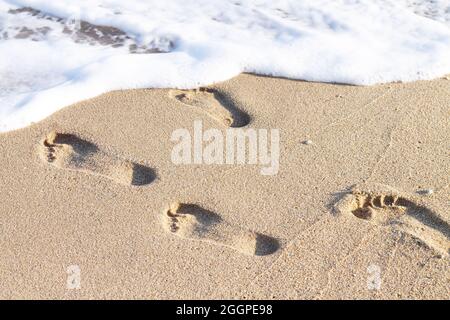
(358, 208)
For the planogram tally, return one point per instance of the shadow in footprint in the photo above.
(191, 221)
(79, 145)
(240, 118)
(384, 205)
(142, 175)
(205, 217)
(428, 218)
(68, 151)
(217, 105)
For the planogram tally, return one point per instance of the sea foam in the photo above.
(55, 53)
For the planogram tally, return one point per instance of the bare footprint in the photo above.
(383, 205)
(67, 151)
(190, 221)
(214, 104)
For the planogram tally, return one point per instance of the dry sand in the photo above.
(94, 186)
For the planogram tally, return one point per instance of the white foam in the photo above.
(205, 41)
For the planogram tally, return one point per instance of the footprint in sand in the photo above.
(383, 205)
(190, 221)
(214, 104)
(67, 151)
